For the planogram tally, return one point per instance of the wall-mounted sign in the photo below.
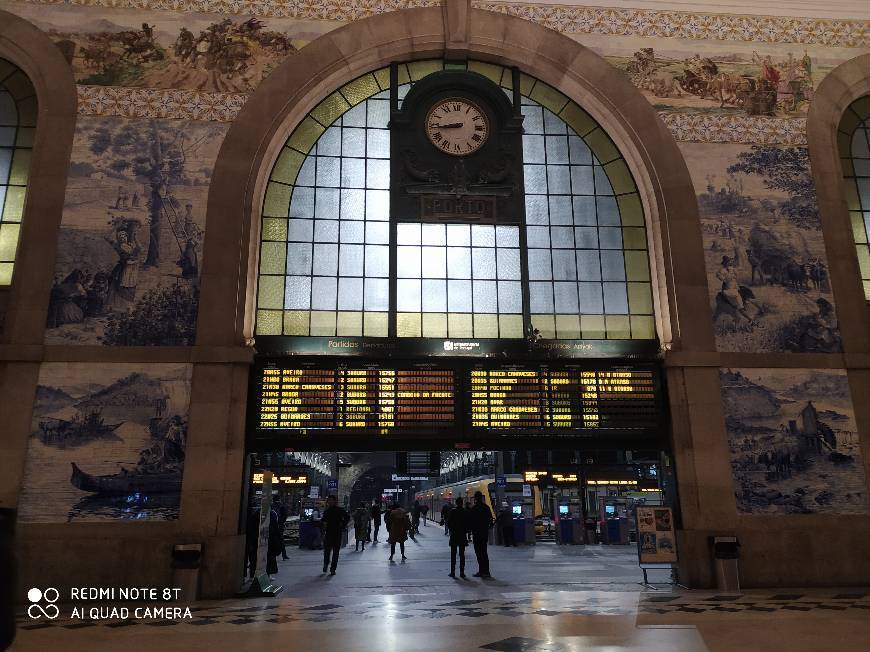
(656, 543)
(314, 491)
(257, 478)
(527, 491)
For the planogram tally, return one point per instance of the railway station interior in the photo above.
(603, 264)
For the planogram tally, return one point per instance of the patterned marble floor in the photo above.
(373, 605)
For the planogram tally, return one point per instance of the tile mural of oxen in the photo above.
(131, 237)
(794, 442)
(767, 270)
(107, 442)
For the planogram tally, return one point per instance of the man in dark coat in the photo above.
(333, 523)
(506, 523)
(458, 521)
(276, 538)
(480, 520)
(376, 519)
(283, 513)
(445, 517)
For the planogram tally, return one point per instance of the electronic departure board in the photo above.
(559, 400)
(318, 400)
(364, 400)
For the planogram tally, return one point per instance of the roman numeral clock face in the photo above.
(457, 126)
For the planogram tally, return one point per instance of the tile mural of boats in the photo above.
(107, 443)
(794, 441)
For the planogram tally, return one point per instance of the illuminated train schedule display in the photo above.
(365, 400)
(456, 402)
(562, 400)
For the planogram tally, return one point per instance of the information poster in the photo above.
(656, 543)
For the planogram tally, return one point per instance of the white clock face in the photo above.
(457, 126)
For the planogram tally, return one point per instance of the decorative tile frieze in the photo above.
(712, 128)
(159, 103)
(676, 24)
(223, 107)
(562, 18)
(341, 10)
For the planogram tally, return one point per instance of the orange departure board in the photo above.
(465, 401)
(365, 399)
(553, 400)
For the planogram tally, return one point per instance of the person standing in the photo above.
(281, 509)
(376, 518)
(398, 526)
(361, 522)
(458, 540)
(274, 544)
(333, 523)
(480, 520)
(506, 523)
(252, 539)
(424, 509)
(445, 517)
(415, 517)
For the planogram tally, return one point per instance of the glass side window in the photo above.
(325, 251)
(854, 141)
(17, 127)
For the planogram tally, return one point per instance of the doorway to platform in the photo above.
(562, 519)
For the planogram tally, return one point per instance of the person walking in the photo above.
(333, 523)
(398, 526)
(458, 541)
(376, 519)
(445, 514)
(506, 523)
(480, 520)
(362, 520)
(424, 509)
(415, 517)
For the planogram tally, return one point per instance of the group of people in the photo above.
(463, 523)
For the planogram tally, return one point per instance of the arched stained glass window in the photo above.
(325, 251)
(17, 128)
(854, 142)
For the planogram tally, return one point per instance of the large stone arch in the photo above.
(295, 87)
(25, 303)
(843, 85)
(36, 55)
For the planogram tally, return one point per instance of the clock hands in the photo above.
(452, 125)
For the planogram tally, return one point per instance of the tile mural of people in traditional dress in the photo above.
(107, 442)
(793, 441)
(767, 270)
(130, 243)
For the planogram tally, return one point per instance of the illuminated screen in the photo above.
(362, 400)
(460, 399)
(550, 400)
(563, 510)
(517, 510)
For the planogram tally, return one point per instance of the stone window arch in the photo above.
(18, 110)
(325, 248)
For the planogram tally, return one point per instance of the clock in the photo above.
(456, 150)
(457, 126)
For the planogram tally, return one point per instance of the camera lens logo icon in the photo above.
(36, 610)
